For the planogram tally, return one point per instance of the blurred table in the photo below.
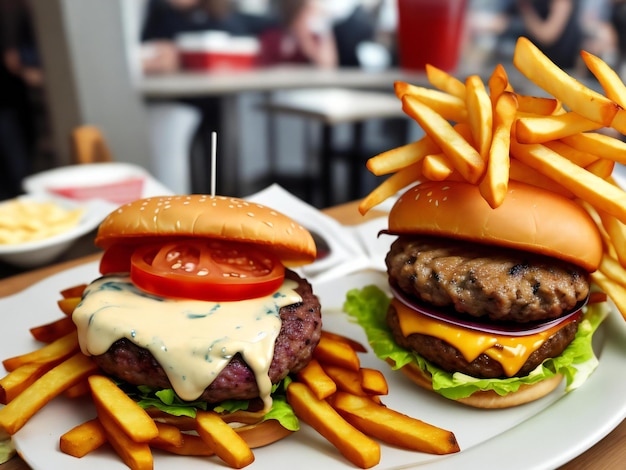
(229, 84)
(609, 453)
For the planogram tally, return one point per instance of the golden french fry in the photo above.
(498, 83)
(574, 155)
(136, 455)
(168, 435)
(537, 105)
(536, 66)
(346, 380)
(321, 416)
(68, 304)
(401, 157)
(436, 167)
(583, 184)
(612, 269)
(122, 409)
(223, 440)
(18, 380)
(393, 427)
(494, 185)
(609, 80)
(523, 173)
(330, 351)
(443, 81)
(52, 331)
(84, 438)
(318, 381)
(449, 106)
(373, 381)
(598, 144)
(391, 186)
(616, 232)
(59, 349)
(358, 347)
(480, 114)
(462, 155)
(81, 389)
(536, 130)
(602, 168)
(619, 121)
(191, 445)
(69, 372)
(615, 290)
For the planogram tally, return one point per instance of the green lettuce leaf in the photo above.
(368, 307)
(167, 401)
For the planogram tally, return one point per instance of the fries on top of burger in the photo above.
(196, 298)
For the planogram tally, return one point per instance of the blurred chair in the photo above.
(89, 146)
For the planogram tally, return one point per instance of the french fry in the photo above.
(612, 269)
(401, 157)
(321, 416)
(168, 435)
(462, 155)
(579, 181)
(449, 106)
(318, 381)
(480, 114)
(615, 290)
(81, 389)
(574, 155)
(330, 351)
(52, 331)
(536, 105)
(122, 409)
(609, 80)
(598, 144)
(69, 372)
(498, 83)
(619, 121)
(348, 381)
(136, 455)
(373, 381)
(18, 380)
(536, 130)
(393, 427)
(603, 168)
(443, 81)
(191, 445)
(540, 70)
(523, 173)
(616, 232)
(223, 440)
(494, 185)
(73, 291)
(358, 347)
(82, 439)
(68, 304)
(437, 167)
(52, 352)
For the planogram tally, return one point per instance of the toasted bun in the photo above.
(529, 219)
(490, 399)
(218, 217)
(250, 427)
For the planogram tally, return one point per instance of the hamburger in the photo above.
(488, 305)
(198, 307)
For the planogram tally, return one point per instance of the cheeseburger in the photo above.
(488, 305)
(197, 307)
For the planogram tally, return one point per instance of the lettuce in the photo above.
(368, 307)
(167, 401)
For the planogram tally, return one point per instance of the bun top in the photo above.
(203, 216)
(530, 219)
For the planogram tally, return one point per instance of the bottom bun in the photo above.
(490, 399)
(256, 434)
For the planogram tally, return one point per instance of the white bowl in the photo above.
(39, 252)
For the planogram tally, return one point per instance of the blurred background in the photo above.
(70, 63)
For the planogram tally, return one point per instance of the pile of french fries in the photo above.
(333, 394)
(488, 134)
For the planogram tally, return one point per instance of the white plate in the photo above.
(550, 431)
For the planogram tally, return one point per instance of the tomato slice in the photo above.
(210, 270)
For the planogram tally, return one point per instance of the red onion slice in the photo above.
(504, 328)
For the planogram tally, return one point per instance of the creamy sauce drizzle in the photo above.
(192, 340)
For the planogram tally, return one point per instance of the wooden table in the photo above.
(609, 453)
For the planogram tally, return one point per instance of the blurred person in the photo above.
(352, 25)
(303, 35)
(555, 27)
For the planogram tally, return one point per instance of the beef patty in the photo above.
(483, 281)
(299, 334)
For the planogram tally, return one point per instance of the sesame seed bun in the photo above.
(530, 219)
(203, 216)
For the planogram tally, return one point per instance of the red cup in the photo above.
(429, 32)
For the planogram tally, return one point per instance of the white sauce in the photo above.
(192, 340)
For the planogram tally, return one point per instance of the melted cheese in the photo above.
(510, 351)
(192, 340)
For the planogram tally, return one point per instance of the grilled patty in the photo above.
(299, 334)
(483, 281)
